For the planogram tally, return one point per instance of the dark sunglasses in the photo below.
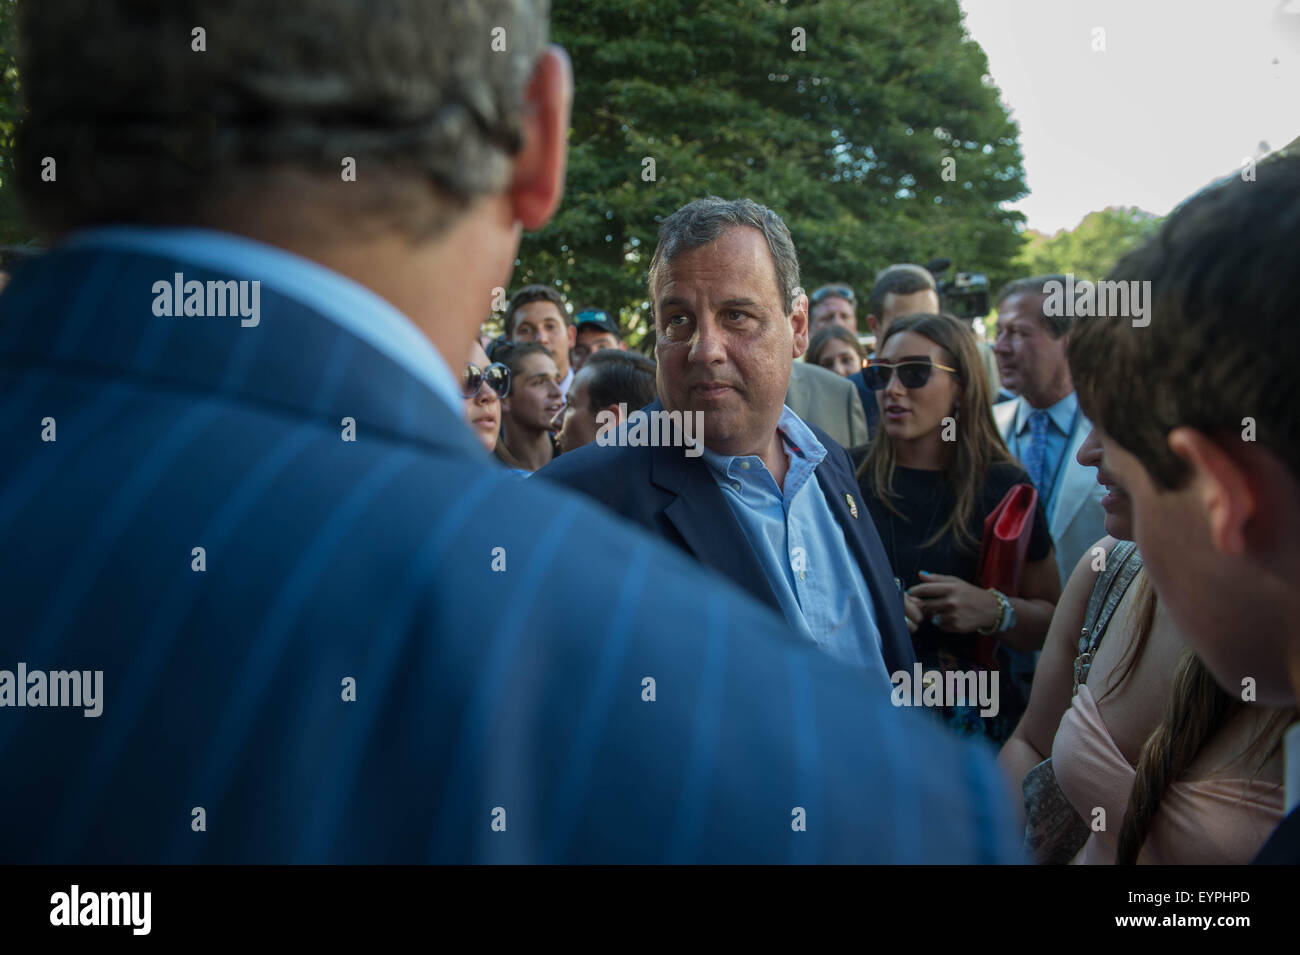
(836, 291)
(496, 376)
(912, 373)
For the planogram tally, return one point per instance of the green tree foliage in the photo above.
(845, 139)
(843, 128)
(1091, 248)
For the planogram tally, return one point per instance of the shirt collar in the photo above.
(338, 298)
(797, 439)
(1061, 413)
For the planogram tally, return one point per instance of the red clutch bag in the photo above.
(1002, 553)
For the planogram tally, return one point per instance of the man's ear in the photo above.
(799, 324)
(604, 423)
(537, 177)
(873, 323)
(573, 336)
(1222, 484)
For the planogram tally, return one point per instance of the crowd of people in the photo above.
(929, 475)
(902, 573)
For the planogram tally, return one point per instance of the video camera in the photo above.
(965, 296)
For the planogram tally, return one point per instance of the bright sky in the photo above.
(1184, 91)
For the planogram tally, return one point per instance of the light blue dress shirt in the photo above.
(801, 547)
(338, 298)
(1062, 418)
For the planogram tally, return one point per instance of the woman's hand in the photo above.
(913, 612)
(961, 607)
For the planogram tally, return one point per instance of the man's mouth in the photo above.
(711, 389)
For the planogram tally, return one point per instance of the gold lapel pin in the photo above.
(853, 505)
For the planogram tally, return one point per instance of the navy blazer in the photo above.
(533, 680)
(677, 498)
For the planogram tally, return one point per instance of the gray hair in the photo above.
(700, 222)
(1056, 325)
(144, 128)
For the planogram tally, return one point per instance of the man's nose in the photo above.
(709, 344)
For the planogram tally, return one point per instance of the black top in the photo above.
(925, 503)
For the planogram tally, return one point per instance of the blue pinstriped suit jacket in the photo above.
(475, 689)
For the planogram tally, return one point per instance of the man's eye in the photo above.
(736, 316)
(677, 320)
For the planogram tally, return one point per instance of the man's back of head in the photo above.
(400, 147)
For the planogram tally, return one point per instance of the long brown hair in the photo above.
(1196, 710)
(978, 444)
(1145, 604)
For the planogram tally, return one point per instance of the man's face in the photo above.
(726, 340)
(833, 310)
(591, 340)
(535, 394)
(924, 302)
(542, 322)
(1211, 598)
(1030, 360)
(577, 419)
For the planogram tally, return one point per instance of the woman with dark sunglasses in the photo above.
(937, 467)
(484, 385)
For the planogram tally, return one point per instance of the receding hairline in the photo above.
(663, 298)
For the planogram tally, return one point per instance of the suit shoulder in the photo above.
(823, 377)
(595, 465)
